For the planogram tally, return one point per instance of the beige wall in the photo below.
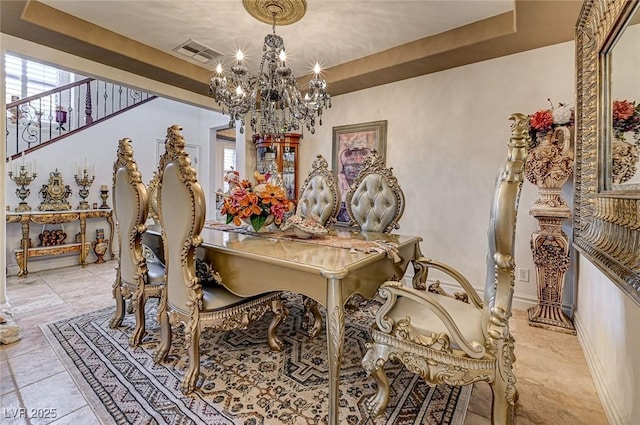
(607, 322)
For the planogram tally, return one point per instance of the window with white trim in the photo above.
(25, 78)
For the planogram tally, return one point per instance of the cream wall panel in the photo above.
(607, 322)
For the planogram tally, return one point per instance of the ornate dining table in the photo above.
(329, 270)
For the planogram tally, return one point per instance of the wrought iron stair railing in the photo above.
(42, 119)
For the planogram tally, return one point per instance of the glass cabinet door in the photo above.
(282, 152)
(289, 156)
(264, 155)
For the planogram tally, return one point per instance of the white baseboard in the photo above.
(520, 302)
(611, 409)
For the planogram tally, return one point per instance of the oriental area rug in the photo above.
(242, 380)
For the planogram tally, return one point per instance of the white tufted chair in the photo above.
(321, 190)
(140, 275)
(445, 340)
(185, 301)
(375, 201)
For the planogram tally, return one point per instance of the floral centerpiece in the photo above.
(258, 204)
(546, 120)
(626, 118)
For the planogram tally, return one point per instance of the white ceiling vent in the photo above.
(197, 51)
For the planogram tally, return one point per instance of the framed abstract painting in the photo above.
(351, 144)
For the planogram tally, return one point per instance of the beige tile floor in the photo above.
(553, 381)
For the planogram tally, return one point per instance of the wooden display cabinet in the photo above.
(284, 152)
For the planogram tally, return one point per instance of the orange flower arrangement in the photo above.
(255, 203)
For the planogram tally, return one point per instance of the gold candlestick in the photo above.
(23, 179)
(84, 182)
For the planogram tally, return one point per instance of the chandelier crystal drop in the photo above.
(272, 98)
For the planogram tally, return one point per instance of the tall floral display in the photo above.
(549, 165)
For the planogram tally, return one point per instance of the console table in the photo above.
(57, 217)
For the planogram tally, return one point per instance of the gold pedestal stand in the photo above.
(549, 165)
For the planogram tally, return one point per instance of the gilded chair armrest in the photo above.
(421, 267)
(391, 290)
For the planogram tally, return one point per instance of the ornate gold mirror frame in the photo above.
(606, 221)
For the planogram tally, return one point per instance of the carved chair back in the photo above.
(320, 189)
(182, 211)
(130, 204)
(499, 283)
(375, 201)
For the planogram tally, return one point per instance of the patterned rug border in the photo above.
(85, 388)
(105, 417)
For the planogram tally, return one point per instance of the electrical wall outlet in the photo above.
(523, 275)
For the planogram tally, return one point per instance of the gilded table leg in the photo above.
(19, 256)
(311, 312)
(118, 315)
(163, 348)
(335, 338)
(25, 246)
(138, 301)
(112, 228)
(190, 381)
(83, 239)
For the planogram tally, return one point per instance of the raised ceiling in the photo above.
(359, 43)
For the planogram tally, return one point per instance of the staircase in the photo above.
(50, 116)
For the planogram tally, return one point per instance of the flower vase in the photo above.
(100, 248)
(549, 165)
(265, 227)
(624, 157)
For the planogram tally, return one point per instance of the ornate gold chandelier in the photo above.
(272, 98)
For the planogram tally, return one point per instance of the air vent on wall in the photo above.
(197, 51)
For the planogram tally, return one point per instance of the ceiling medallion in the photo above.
(286, 11)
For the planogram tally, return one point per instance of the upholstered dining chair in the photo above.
(375, 201)
(448, 341)
(140, 275)
(185, 301)
(320, 189)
